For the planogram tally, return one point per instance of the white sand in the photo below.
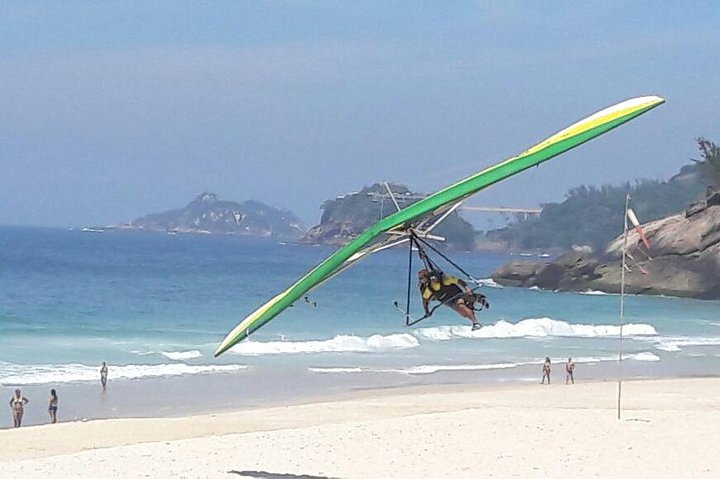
(670, 428)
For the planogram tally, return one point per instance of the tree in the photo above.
(709, 166)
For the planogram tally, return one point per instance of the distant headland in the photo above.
(210, 215)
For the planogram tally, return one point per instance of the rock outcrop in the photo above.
(684, 260)
(347, 216)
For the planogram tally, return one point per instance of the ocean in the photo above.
(155, 307)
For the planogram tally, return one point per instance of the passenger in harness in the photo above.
(452, 292)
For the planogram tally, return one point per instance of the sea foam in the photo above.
(339, 344)
(18, 375)
(676, 343)
(422, 369)
(181, 355)
(335, 370)
(489, 282)
(533, 328)
(644, 356)
(435, 368)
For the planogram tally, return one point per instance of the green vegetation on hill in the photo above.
(709, 166)
(349, 215)
(594, 215)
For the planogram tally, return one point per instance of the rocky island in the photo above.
(209, 214)
(345, 217)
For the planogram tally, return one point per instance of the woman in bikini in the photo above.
(52, 406)
(546, 371)
(17, 404)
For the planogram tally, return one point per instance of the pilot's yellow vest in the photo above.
(435, 286)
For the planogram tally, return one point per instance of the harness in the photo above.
(450, 288)
(444, 289)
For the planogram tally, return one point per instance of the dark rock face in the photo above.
(684, 260)
(519, 273)
(335, 233)
(208, 214)
(713, 199)
(696, 207)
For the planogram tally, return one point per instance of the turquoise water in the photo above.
(156, 305)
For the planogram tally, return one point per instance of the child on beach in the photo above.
(52, 406)
(546, 371)
(17, 404)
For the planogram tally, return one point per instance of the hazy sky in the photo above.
(111, 110)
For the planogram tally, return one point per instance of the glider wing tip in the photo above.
(656, 99)
(224, 346)
(652, 99)
(231, 340)
(220, 349)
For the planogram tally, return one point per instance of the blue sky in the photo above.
(111, 110)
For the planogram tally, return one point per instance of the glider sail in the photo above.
(366, 243)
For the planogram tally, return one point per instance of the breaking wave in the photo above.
(674, 344)
(644, 356)
(534, 328)
(181, 355)
(142, 353)
(339, 344)
(174, 355)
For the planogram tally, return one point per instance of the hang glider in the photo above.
(395, 229)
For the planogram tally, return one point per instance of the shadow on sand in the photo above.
(272, 475)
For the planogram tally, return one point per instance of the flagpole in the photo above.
(622, 301)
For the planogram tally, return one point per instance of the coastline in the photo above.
(431, 431)
(257, 387)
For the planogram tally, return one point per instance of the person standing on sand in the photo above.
(569, 368)
(52, 406)
(546, 371)
(17, 404)
(103, 375)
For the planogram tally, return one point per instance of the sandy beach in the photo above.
(668, 429)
